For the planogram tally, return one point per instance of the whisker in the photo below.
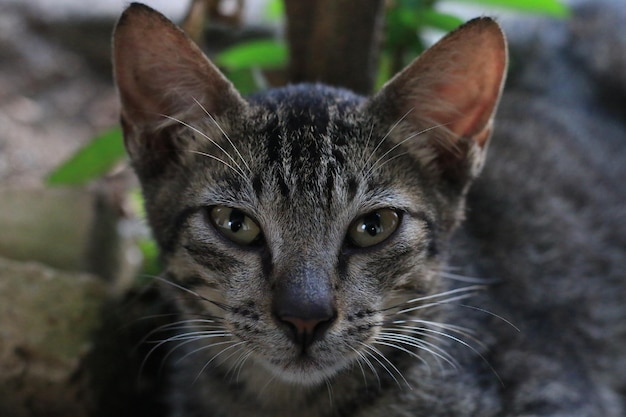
(436, 351)
(197, 335)
(158, 345)
(224, 133)
(267, 384)
(436, 303)
(394, 346)
(382, 164)
(379, 353)
(482, 310)
(208, 155)
(423, 332)
(206, 365)
(241, 363)
(380, 143)
(329, 388)
(231, 369)
(469, 280)
(180, 287)
(369, 364)
(467, 345)
(451, 327)
(204, 135)
(394, 147)
(367, 143)
(182, 325)
(178, 346)
(470, 288)
(203, 347)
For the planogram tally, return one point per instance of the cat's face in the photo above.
(302, 222)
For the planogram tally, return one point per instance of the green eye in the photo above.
(235, 225)
(373, 228)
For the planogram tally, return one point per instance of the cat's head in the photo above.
(302, 220)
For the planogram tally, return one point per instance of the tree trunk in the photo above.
(335, 42)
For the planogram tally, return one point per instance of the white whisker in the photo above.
(242, 362)
(206, 365)
(329, 388)
(471, 288)
(385, 342)
(363, 357)
(204, 135)
(482, 310)
(225, 135)
(180, 287)
(469, 280)
(394, 147)
(382, 164)
(379, 353)
(380, 143)
(208, 155)
(434, 304)
(424, 345)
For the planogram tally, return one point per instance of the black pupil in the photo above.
(236, 220)
(371, 224)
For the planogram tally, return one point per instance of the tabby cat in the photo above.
(307, 240)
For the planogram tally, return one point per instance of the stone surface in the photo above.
(76, 229)
(51, 225)
(47, 319)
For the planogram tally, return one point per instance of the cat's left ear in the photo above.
(164, 81)
(446, 99)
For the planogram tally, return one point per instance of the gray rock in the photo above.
(47, 318)
(75, 229)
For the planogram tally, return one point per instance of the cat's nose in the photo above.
(304, 308)
(305, 331)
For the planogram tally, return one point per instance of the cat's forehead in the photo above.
(308, 113)
(309, 148)
(304, 141)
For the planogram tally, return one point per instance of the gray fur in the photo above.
(539, 333)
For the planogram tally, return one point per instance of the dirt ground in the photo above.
(56, 91)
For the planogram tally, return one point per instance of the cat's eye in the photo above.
(235, 225)
(373, 228)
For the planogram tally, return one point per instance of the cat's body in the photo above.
(311, 243)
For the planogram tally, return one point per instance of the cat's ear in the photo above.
(449, 95)
(164, 80)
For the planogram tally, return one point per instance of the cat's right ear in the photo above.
(164, 82)
(442, 105)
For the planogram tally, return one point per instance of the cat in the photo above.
(327, 256)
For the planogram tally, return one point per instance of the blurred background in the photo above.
(55, 85)
(71, 235)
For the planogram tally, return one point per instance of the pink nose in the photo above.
(305, 331)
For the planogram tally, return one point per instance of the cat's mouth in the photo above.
(306, 368)
(303, 364)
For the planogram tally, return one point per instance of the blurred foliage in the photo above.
(91, 161)
(408, 23)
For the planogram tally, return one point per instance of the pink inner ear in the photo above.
(471, 93)
(456, 83)
(160, 71)
(472, 111)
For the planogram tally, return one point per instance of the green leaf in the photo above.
(441, 21)
(244, 80)
(275, 10)
(91, 161)
(552, 8)
(150, 252)
(255, 54)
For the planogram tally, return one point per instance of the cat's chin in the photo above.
(304, 371)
